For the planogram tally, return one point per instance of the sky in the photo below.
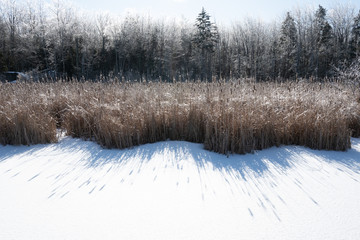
(224, 12)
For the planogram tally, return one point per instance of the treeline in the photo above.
(59, 40)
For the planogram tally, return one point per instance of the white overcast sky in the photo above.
(223, 11)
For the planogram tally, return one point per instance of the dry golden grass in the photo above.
(24, 118)
(232, 117)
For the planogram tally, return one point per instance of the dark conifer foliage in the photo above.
(205, 42)
(288, 43)
(323, 43)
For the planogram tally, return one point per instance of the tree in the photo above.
(205, 40)
(3, 53)
(355, 37)
(102, 23)
(44, 37)
(13, 17)
(273, 64)
(186, 49)
(323, 37)
(288, 47)
(341, 19)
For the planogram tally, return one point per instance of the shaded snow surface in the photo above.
(176, 190)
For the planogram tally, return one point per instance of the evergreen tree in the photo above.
(288, 44)
(323, 36)
(205, 40)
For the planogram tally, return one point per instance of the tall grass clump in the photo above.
(227, 117)
(23, 116)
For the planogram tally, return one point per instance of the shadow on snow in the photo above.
(240, 174)
(258, 162)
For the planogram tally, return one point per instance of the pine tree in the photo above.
(323, 36)
(288, 44)
(205, 40)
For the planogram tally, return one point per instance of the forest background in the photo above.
(58, 40)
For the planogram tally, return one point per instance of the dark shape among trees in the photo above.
(56, 39)
(205, 40)
(355, 37)
(322, 44)
(288, 43)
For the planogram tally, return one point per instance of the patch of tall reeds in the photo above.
(228, 117)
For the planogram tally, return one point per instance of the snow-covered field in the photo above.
(176, 190)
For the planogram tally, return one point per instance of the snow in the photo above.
(177, 190)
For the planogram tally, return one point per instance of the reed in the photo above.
(228, 117)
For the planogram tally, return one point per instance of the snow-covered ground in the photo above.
(176, 190)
